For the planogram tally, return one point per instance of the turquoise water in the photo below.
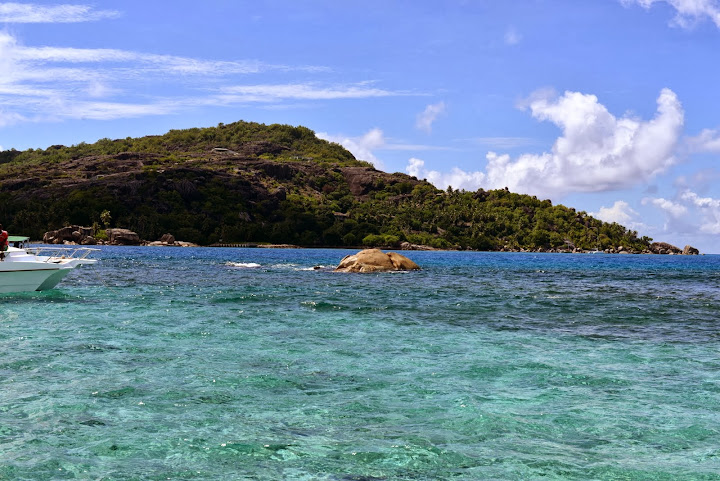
(225, 364)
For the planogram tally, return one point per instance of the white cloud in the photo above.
(363, 147)
(114, 110)
(11, 12)
(50, 82)
(597, 151)
(502, 142)
(10, 119)
(428, 116)
(673, 209)
(272, 93)
(689, 213)
(707, 141)
(620, 212)
(709, 209)
(456, 178)
(415, 147)
(360, 147)
(688, 12)
(164, 63)
(512, 37)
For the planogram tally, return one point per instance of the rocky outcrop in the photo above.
(122, 237)
(690, 251)
(407, 246)
(362, 180)
(375, 260)
(73, 234)
(664, 248)
(168, 240)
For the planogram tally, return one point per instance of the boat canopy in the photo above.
(18, 240)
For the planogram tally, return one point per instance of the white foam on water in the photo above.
(243, 265)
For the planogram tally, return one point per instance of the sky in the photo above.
(608, 106)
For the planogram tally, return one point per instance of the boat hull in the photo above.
(39, 269)
(32, 278)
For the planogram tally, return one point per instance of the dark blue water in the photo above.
(224, 364)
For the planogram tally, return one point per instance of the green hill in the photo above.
(249, 182)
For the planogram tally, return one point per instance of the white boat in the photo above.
(39, 268)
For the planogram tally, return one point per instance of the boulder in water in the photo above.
(375, 260)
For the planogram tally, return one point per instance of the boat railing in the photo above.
(53, 254)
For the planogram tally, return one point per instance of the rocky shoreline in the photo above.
(79, 235)
(660, 248)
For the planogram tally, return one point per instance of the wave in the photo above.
(287, 266)
(243, 265)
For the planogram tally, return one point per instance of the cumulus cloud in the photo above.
(689, 218)
(456, 178)
(707, 141)
(688, 12)
(11, 12)
(361, 147)
(709, 209)
(428, 116)
(597, 151)
(673, 209)
(621, 213)
(689, 212)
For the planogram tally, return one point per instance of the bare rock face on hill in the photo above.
(375, 260)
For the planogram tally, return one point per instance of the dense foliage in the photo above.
(248, 182)
(278, 142)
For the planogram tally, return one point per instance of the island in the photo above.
(250, 183)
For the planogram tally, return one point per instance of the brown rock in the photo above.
(690, 251)
(124, 237)
(402, 263)
(375, 260)
(167, 239)
(72, 233)
(664, 248)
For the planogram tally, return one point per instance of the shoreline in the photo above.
(253, 245)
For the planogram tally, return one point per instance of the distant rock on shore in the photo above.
(375, 260)
(168, 240)
(73, 234)
(122, 237)
(690, 251)
(665, 248)
(407, 246)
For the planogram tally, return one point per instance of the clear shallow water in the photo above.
(165, 363)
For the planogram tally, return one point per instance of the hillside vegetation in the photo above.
(249, 182)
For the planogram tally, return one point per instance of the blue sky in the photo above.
(608, 106)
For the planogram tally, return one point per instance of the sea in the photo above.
(264, 364)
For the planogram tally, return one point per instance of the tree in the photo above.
(105, 217)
